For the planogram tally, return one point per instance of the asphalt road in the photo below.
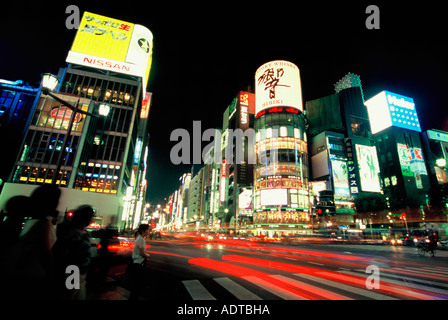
(235, 270)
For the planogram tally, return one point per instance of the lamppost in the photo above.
(49, 83)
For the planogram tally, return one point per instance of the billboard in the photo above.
(436, 135)
(277, 84)
(411, 160)
(274, 197)
(388, 109)
(368, 168)
(340, 177)
(113, 45)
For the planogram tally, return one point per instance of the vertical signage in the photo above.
(223, 182)
(353, 184)
(244, 110)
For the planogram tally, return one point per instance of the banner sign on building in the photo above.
(411, 160)
(340, 177)
(351, 170)
(368, 168)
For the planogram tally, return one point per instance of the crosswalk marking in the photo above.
(409, 284)
(432, 270)
(444, 269)
(307, 287)
(237, 290)
(315, 263)
(338, 285)
(197, 291)
(399, 276)
(422, 273)
(274, 289)
(291, 288)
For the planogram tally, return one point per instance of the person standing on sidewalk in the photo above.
(72, 248)
(139, 258)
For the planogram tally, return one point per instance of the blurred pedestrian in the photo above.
(17, 208)
(28, 262)
(72, 248)
(139, 259)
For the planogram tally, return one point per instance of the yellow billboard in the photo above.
(103, 37)
(114, 45)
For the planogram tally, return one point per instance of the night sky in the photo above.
(205, 52)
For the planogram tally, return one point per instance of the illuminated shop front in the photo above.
(281, 198)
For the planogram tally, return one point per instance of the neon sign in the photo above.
(388, 109)
(277, 110)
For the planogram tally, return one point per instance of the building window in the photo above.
(52, 114)
(360, 127)
(394, 180)
(389, 156)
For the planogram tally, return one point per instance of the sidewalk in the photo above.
(116, 292)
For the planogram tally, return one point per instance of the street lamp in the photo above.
(104, 109)
(49, 83)
(441, 162)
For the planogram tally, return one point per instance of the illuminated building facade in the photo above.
(196, 200)
(436, 145)
(16, 101)
(343, 152)
(237, 170)
(396, 128)
(281, 201)
(104, 162)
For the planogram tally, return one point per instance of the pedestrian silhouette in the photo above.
(17, 208)
(28, 261)
(72, 248)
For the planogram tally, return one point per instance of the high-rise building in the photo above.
(196, 201)
(396, 128)
(281, 201)
(344, 161)
(237, 167)
(16, 101)
(180, 203)
(436, 145)
(103, 162)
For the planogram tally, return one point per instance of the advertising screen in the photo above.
(368, 168)
(411, 160)
(340, 177)
(245, 199)
(405, 160)
(388, 109)
(274, 197)
(277, 84)
(113, 45)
